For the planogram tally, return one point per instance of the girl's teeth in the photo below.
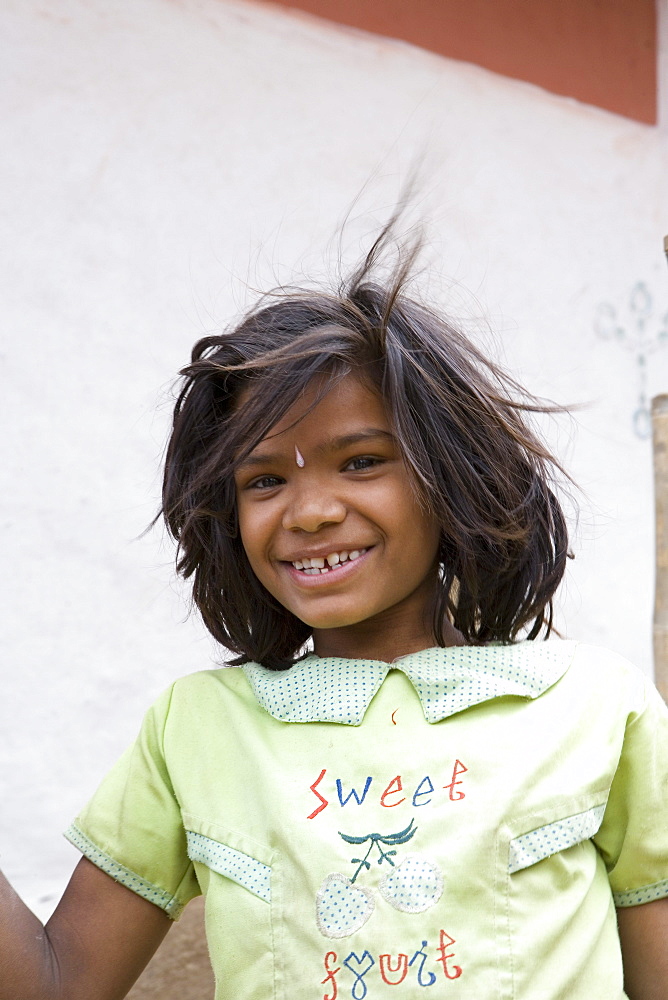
(323, 564)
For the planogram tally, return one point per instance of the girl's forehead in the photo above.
(327, 404)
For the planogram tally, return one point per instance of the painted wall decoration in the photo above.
(636, 329)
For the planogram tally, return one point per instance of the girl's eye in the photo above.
(362, 463)
(265, 483)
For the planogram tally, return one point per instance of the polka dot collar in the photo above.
(337, 689)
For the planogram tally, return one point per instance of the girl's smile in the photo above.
(320, 571)
(338, 536)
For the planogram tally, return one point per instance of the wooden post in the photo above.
(660, 447)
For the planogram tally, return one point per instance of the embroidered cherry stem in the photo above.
(375, 840)
(362, 862)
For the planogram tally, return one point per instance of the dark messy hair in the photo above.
(460, 422)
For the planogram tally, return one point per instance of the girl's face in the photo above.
(332, 529)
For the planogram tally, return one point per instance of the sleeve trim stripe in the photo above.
(160, 897)
(241, 868)
(645, 894)
(542, 843)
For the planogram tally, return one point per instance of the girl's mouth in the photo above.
(333, 561)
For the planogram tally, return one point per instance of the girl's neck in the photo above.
(379, 640)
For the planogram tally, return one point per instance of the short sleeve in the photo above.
(132, 827)
(633, 837)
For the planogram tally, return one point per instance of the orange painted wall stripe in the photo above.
(603, 52)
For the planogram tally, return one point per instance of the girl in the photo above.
(389, 792)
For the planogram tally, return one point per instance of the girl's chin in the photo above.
(325, 623)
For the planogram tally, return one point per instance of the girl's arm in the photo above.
(643, 932)
(95, 945)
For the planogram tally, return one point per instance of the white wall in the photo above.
(160, 154)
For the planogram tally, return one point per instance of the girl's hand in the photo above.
(94, 947)
(643, 932)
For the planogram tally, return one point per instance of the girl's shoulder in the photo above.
(606, 670)
(200, 693)
(602, 686)
(207, 684)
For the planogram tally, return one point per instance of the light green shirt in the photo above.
(465, 819)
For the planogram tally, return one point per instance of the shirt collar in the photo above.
(337, 689)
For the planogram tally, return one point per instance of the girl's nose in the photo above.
(311, 508)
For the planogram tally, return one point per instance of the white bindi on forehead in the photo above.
(299, 458)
